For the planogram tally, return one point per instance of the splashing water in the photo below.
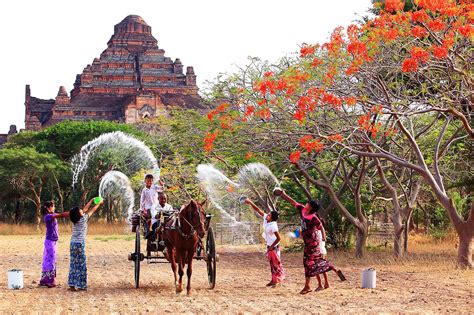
(222, 191)
(126, 153)
(257, 183)
(115, 187)
(254, 181)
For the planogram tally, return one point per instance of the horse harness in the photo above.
(193, 231)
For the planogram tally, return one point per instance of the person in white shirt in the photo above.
(149, 199)
(272, 240)
(163, 208)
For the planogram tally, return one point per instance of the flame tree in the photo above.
(377, 89)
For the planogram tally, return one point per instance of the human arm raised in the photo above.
(288, 198)
(255, 207)
(90, 212)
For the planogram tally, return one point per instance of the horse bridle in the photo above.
(193, 228)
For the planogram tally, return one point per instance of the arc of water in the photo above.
(137, 155)
(114, 186)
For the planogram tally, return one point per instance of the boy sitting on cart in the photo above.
(162, 210)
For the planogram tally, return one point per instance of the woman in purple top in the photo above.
(48, 272)
(313, 261)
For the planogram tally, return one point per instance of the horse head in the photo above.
(194, 215)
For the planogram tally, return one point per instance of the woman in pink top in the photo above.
(314, 263)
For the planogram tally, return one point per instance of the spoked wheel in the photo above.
(138, 257)
(211, 258)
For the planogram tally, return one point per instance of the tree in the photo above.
(377, 91)
(28, 171)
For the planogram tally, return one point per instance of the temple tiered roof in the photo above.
(131, 80)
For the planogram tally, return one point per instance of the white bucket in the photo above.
(369, 277)
(15, 279)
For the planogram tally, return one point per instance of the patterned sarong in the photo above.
(276, 267)
(78, 268)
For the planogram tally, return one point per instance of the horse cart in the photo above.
(156, 251)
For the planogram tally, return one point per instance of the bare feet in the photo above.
(270, 284)
(326, 285)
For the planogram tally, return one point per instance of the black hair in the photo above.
(314, 205)
(275, 215)
(148, 176)
(46, 205)
(74, 215)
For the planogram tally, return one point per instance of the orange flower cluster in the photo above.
(393, 5)
(437, 25)
(419, 31)
(419, 54)
(365, 121)
(220, 109)
(209, 141)
(295, 156)
(440, 52)
(409, 65)
(307, 50)
(310, 144)
(332, 100)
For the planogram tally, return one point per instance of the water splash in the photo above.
(115, 187)
(254, 181)
(125, 152)
(223, 192)
(257, 183)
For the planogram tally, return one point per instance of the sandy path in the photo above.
(424, 284)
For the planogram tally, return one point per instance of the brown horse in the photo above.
(181, 240)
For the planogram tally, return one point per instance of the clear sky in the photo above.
(46, 43)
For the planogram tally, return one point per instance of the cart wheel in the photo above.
(211, 258)
(137, 257)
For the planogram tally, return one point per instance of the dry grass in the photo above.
(95, 228)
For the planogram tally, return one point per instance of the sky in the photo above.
(46, 43)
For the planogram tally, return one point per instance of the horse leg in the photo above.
(180, 271)
(173, 265)
(189, 272)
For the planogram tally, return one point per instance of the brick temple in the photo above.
(130, 81)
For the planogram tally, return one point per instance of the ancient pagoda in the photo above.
(130, 81)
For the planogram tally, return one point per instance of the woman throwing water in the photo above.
(314, 263)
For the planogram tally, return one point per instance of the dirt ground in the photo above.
(424, 282)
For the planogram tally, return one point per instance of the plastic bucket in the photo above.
(15, 279)
(369, 278)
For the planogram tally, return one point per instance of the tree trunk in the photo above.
(397, 235)
(18, 215)
(38, 216)
(465, 250)
(406, 230)
(361, 239)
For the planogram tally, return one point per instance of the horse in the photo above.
(182, 239)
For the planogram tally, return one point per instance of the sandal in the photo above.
(305, 291)
(319, 289)
(341, 275)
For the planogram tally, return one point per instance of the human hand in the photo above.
(278, 191)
